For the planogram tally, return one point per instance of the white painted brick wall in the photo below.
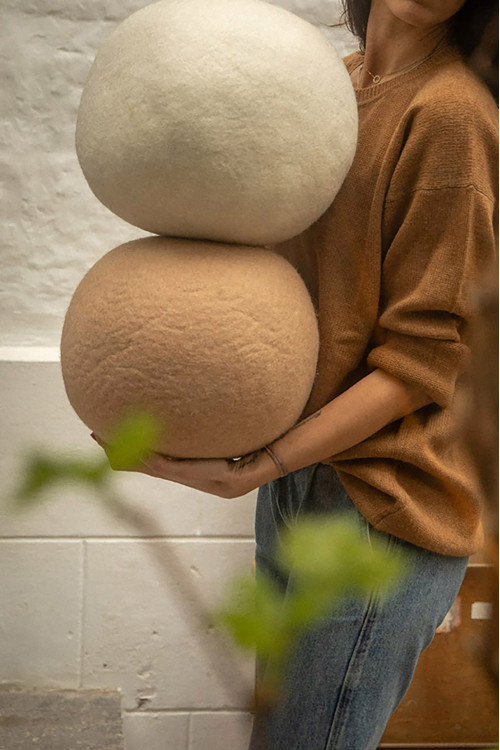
(52, 227)
(84, 602)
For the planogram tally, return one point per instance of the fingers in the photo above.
(226, 478)
(141, 467)
(158, 465)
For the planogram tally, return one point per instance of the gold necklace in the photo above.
(378, 78)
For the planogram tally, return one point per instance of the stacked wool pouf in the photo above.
(223, 127)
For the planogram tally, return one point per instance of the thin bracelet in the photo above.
(277, 461)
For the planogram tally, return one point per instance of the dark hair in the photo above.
(467, 26)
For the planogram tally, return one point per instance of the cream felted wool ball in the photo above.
(220, 342)
(229, 120)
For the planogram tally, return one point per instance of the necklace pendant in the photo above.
(376, 79)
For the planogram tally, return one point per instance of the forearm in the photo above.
(355, 415)
(361, 411)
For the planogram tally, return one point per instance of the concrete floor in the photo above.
(60, 720)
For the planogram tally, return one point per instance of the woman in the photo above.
(390, 267)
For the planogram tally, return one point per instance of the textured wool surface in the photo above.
(220, 342)
(228, 120)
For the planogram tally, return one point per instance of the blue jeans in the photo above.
(348, 674)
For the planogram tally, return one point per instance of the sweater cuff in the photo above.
(432, 365)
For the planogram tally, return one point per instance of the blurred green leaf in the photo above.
(135, 436)
(331, 554)
(328, 559)
(253, 614)
(42, 471)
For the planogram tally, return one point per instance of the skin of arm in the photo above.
(369, 405)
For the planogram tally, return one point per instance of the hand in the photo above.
(227, 478)
(355, 415)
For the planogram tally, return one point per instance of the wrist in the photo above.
(277, 460)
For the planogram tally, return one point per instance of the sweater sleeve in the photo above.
(438, 235)
(435, 258)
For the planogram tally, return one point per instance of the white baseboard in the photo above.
(29, 354)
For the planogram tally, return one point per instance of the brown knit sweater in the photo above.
(391, 267)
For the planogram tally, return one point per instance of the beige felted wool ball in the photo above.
(229, 120)
(220, 342)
